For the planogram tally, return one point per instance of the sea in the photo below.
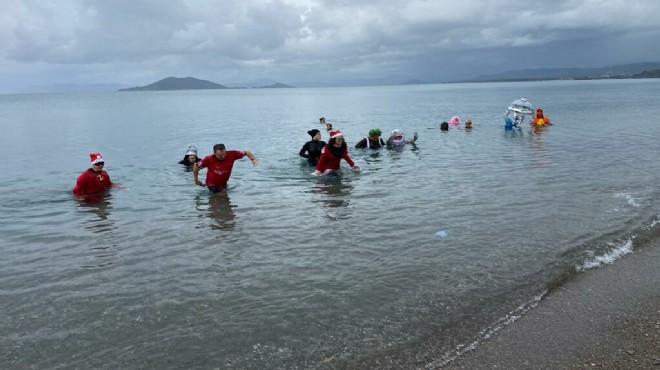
(422, 255)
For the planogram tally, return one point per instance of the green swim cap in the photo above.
(374, 132)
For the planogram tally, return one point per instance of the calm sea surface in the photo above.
(427, 250)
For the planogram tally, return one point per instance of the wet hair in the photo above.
(444, 126)
(218, 147)
(313, 132)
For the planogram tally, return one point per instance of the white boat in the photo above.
(517, 111)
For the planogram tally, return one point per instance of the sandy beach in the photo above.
(605, 318)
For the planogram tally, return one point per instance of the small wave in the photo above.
(654, 222)
(617, 252)
(629, 198)
(487, 333)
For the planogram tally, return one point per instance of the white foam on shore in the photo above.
(617, 252)
(485, 334)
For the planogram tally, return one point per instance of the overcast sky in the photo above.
(136, 42)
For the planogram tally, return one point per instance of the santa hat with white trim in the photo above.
(95, 157)
(335, 133)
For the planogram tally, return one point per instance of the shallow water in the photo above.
(290, 271)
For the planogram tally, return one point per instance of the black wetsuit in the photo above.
(371, 144)
(188, 163)
(312, 151)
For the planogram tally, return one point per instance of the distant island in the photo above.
(191, 83)
(176, 83)
(276, 86)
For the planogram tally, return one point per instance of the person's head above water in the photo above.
(468, 123)
(336, 138)
(396, 138)
(444, 126)
(219, 151)
(192, 150)
(313, 134)
(97, 161)
(328, 126)
(375, 133)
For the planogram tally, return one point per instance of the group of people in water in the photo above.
(324, 157)
(455, 121)
(219, 165)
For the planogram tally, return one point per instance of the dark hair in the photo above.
(218, 147)
(313, 132)
(444, 126)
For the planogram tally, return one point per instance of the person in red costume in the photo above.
(219, 165)
(94, 180)
(332, 154)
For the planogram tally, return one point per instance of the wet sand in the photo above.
(606, 318)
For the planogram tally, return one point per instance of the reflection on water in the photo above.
(98, 206)
(103, 249)
(397, 152)
(510, 132)
(539, 150)
(219, 209)
(335, 194)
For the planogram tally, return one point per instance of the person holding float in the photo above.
(539, 119)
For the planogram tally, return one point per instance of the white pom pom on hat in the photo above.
(95, 157)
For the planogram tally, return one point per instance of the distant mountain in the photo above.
(616, 71)
(648, 74)
(276, 85)
(176, 83)
(72, 88)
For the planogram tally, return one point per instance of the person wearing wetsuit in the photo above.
(312, 149)
(333, 153)
(94, 180)
(374, 140)
(190, 157)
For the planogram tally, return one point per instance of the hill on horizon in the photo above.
(615, 71)
(178, 83)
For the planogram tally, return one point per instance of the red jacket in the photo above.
(90, 182)
(330, 161)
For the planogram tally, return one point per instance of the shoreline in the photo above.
(604, 318)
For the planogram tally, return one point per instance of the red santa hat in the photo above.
(335, 133)
(95, 157)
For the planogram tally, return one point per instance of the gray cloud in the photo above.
(139, 41)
